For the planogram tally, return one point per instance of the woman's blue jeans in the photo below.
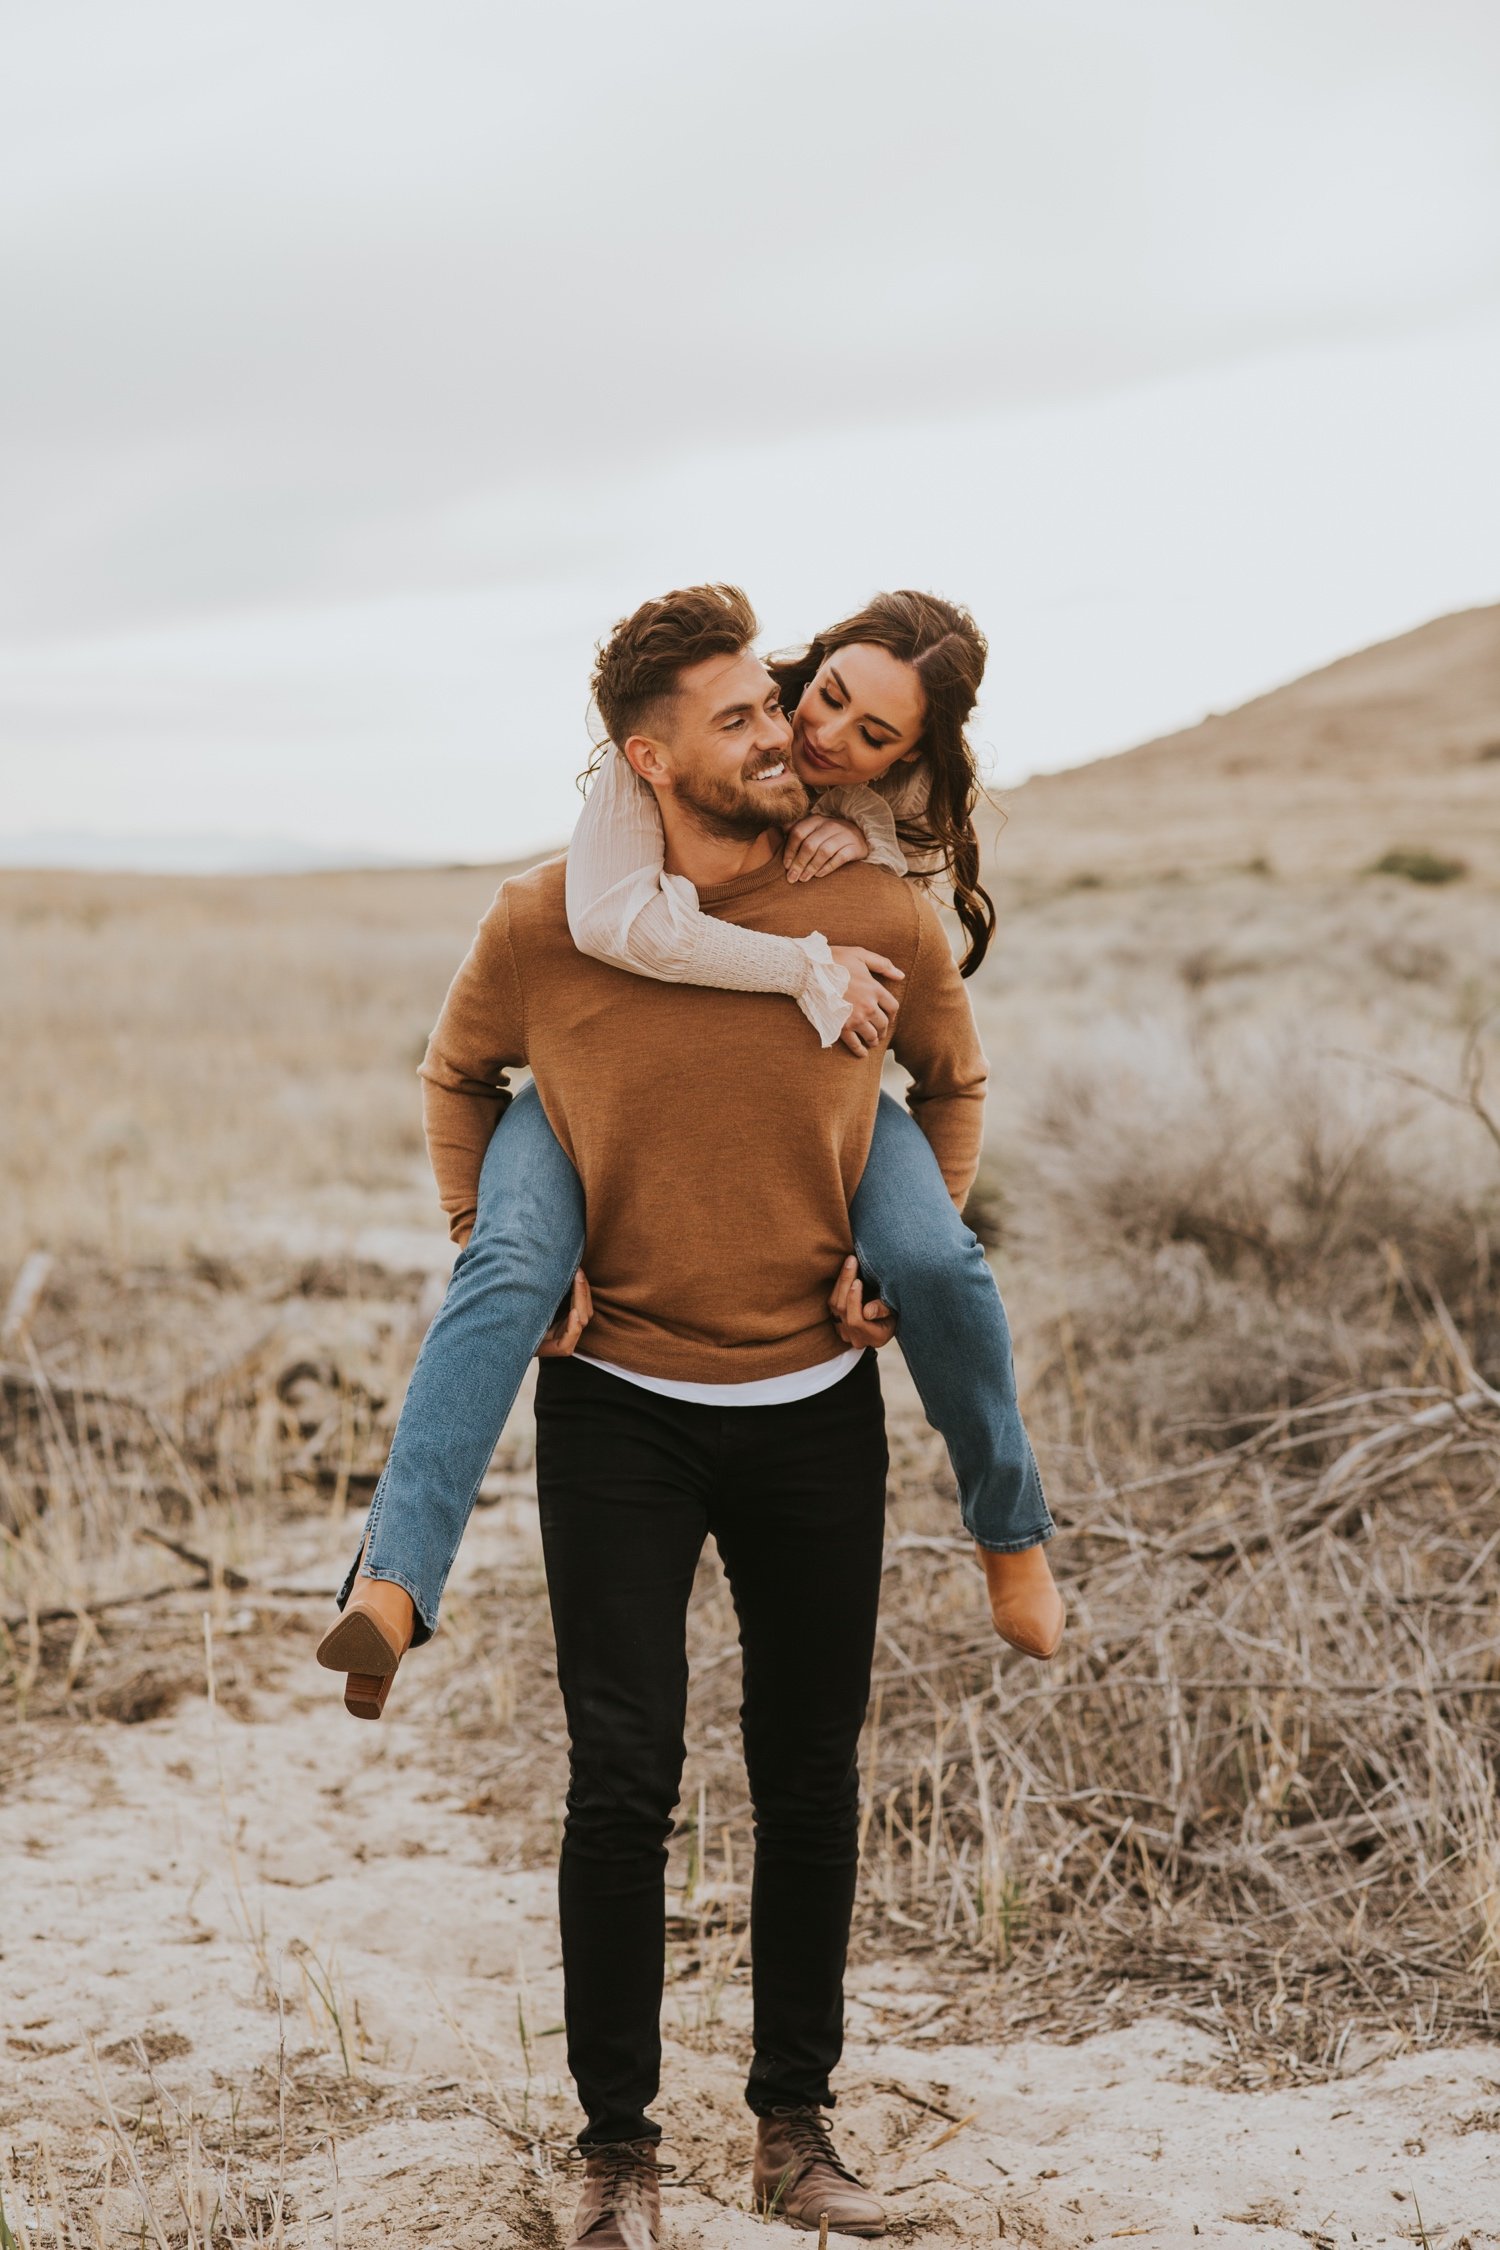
(519, 1263)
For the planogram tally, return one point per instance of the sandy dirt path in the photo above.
(163, 1881)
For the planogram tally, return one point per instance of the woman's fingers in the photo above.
(878, 965)
(871, 1000)
(820, 842)
(873, 1018)
(872, 1004)
(865, 1030)
(870, 1027)
(870, 997)
(801, 841)
(824, 859)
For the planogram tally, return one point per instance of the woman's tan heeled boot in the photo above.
(1024, 1601)
(368, 1642)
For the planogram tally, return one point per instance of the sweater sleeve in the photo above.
(937, 1042)
(625, 909)
(480, 1034)
(872, 815)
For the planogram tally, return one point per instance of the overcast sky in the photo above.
(362, 362)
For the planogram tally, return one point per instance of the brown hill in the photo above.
(1396, 747)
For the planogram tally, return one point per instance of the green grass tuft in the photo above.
(1418, 865)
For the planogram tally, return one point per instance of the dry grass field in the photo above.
(1194, 1936)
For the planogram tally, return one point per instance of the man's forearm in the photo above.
(459, 1124)
(937, 1042)
(954, 1125)
(479, 1035)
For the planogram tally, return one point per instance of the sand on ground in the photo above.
(165, 1881)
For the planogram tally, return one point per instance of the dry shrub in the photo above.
(153, 1438)
(1235, 1223)
(1257, 1788)
(1258, 1785)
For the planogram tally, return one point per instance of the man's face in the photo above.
(725, 741)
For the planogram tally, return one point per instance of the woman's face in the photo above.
(861, 713)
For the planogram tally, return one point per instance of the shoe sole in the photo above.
(767, 2207)
(357, 1644)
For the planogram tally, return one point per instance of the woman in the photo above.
(880, 703)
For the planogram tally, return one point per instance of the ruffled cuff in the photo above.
(872, 816)
(822, 997)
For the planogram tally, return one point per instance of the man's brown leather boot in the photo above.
(798, 2177)
(620, 2208)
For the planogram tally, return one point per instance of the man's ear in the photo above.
(645, 755)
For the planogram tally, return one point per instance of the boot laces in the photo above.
(811, 2139)
(626, 2167)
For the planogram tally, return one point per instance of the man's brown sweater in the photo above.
(718, 1143)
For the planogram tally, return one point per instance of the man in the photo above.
(715, 1391)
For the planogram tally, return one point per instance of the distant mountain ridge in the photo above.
(1397, 745)
(92, 851)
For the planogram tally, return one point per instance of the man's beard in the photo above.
(741, 807)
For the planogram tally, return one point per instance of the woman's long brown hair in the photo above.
(947, 651)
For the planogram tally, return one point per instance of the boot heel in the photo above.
(365, 1693)
(367, 1641)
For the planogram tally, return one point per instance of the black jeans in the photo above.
(630, 1485)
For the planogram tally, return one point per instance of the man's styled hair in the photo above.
(637, 668)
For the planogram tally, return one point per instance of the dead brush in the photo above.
(1231, 1221)
(154, 1432)
(1257, 1787)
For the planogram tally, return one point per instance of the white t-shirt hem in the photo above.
(768, 1390)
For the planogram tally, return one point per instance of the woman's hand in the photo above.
(874, 1007)
(562, 1337)
(857, 1322)
(820, 843)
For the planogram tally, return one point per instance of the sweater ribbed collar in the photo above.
(759, 879)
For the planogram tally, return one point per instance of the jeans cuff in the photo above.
(423, 1627)
(765, 2101)
(1014, 1546)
